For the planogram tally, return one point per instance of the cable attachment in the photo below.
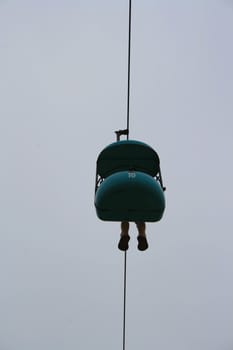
(121, 132)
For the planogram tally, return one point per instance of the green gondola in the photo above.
(129, 183)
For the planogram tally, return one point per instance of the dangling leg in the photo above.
(142, 241)
(123, 243)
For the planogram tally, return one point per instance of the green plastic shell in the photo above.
(130, 196)
(127, 155)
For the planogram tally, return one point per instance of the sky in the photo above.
(63, 69)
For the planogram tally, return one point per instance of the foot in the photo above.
(142, 243)
(123, 243)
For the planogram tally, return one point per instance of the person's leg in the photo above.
(123, 243)
(142, 241)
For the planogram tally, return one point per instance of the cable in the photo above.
(129, 59)
(128, 100)
(124, 312)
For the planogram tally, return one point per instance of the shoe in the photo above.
(142, 243)
(123, 243)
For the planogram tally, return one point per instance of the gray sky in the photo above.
(63, 67)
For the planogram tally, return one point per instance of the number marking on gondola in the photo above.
(131, 174)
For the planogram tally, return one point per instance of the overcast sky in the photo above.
(63, 75)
